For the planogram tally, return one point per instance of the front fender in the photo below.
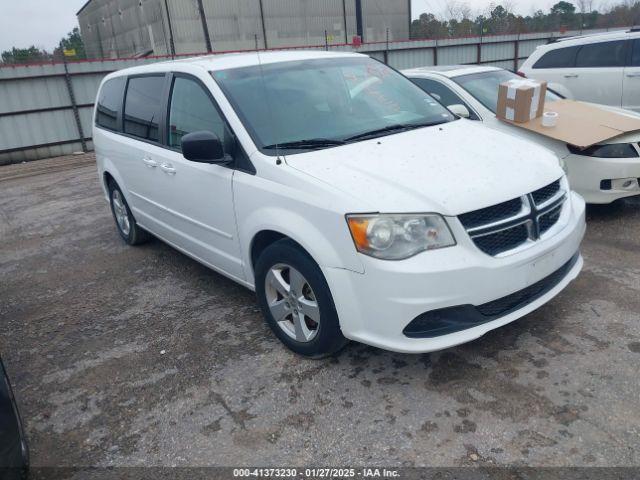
(328, 246)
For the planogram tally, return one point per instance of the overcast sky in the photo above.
(44, 22)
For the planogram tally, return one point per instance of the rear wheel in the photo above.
(125, 222)
(296, 301)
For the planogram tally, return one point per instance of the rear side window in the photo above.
(558, 58)
(635, 55)
(442, 93)
(110, 103)
(603, 54)
(142, 109)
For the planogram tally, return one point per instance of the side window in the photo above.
(558, 58)
(635, 55)
(110, 104)
(192, 111)
(143, 107)
(603, 54)
(443, 94)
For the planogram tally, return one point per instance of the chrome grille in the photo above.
(502, 240)
(491, 214)
(508, 225)
(548, 220)
(545, 193)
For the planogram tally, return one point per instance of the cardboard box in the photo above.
(582, 124)
(521, 100)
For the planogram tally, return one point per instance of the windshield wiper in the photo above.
(400, 127)
(307, 144)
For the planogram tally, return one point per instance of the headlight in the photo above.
(563, 165)
(612, 150)
(395, 237)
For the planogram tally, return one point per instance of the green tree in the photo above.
(428, 26)
(72, 42)
(565, 14)
(24, 55)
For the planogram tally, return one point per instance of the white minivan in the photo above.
(354, 204)
(600, 68)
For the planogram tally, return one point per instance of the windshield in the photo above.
(320, 103)
(484, 86)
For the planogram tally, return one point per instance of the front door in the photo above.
(631, 80)
(195, 200)
(599, 72)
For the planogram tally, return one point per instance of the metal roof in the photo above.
(83, 7)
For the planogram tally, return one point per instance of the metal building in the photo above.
(129, 28)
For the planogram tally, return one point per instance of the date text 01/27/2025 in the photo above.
(329, 473)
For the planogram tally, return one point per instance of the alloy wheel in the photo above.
(120, 212)
(292, 302)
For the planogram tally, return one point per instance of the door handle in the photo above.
(571, 75)
(635, 74)
(168, 169)
(149, 162)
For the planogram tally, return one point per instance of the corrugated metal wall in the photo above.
(127, 28)
(37, 119)
(124, 28)
(234, 25)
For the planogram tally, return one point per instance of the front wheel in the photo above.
(296, 301)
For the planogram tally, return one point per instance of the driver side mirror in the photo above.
(459, 110)
(203, 147)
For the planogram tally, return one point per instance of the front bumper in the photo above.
(586, 174)
(375, 307)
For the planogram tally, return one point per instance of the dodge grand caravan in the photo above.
(353, 203)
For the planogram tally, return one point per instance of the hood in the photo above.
(449, 169)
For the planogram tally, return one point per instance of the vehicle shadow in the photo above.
(624, 207)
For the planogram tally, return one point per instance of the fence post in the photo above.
(435, 53)
(386, 52)
(479, 45)
(516, 53)
(326, 41)
(74, 104)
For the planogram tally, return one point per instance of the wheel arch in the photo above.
(314, 242)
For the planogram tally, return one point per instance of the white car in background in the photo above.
(601, 173)
(601, 68)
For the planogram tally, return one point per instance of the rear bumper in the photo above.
(376, 307)
(586, 174)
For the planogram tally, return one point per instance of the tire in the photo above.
(280, 265)
(126, 224)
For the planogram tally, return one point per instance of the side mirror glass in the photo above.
(203, 147)
(459, 110)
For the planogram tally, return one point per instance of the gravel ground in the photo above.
(141, 356)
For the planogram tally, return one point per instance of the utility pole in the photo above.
(205, 27)
(359, 27)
